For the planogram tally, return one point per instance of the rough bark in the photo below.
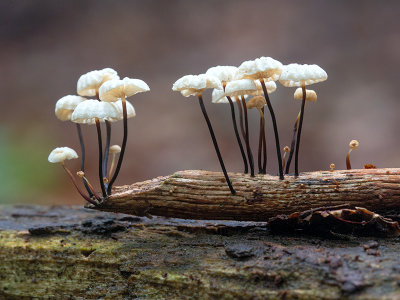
(72, 253)
(204, 195)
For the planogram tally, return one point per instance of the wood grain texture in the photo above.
(195, 194)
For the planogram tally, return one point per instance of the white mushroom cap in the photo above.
(219, 96)
(192, 85)
(65, 106)
(89, 83)
(311, 95)
(240, 87)
(113, 90)
(89, 110)
(115, 149)
(354, 144)
(297, 75)
(270, 85)
(264, 67)
(60, 154)
(223, 73)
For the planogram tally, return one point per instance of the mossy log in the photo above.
(73, 253)
(204, 195)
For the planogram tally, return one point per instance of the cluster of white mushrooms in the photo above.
(110, 105)
(250, 85)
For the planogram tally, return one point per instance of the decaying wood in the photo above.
(204, 195)
(73, 253)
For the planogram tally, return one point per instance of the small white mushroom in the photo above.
(353, 145)
(60, 155)
(264, 69)
(88, 111)
(223, 73)
(66, 105)
(194, 85)
(300, 76)
(113, 90)
(114, 150)
(89, 83)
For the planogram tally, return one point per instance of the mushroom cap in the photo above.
(89, 83)
(89, 110)
(192, 85)
(219, 96)
(311, 95)
(60, 154)
(223, 73)
(65, 106)
(265, 68)
(115, 89)
(115, 149)
(257, 102)
(297, 75)
(270, 85)
(240, 87)
(354, 144)
(286, 149)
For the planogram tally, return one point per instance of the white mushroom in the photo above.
(264, 69)
(353, 145)
(60, 155)
(194, 85)
(301, 75)
(223, 73)
(114, 150)
(66, 105)
(88, 111)
(114, 90)
(89, 83)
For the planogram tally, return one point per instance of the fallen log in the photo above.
(196, 194)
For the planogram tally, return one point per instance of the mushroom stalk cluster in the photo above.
(110, 105)
(254, 80)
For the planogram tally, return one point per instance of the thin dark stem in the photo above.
(289, 160)
(123, 146)
(264, 165)
(271, 111)
(79, 130)
(246, 167)
(296, 158)
(106, 149)
(239, 105)
(260, 147)
(103, 189)
(249, 153)
(203, 109)
(76, 185)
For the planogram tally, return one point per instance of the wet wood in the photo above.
(204, 195)
(73, 253)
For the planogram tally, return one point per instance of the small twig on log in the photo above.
(204, 195)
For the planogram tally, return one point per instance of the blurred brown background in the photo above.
(47, 45)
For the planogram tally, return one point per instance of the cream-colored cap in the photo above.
(297, 75)
(265, 68)
(240, 87)
(115, 149)
(223, 73)
(354, 144)
(257, 102)
(89, 110)
(65, 106)
(113, 90)
(60, 154)
(89, 83)
(192, 85)
(311, 95)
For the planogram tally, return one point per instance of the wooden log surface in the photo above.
(195, 194)
(73, 253)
